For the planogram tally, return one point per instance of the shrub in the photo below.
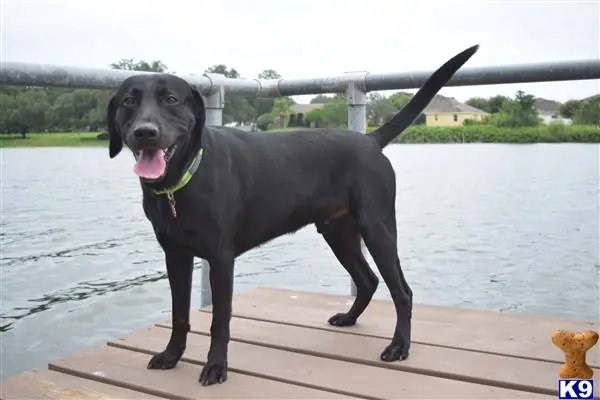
(484, 133)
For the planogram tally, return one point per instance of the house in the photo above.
(447, 111)
(297, 112)
(304, 108)
(549, 111)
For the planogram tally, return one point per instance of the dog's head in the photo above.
(159, 117)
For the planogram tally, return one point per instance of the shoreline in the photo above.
(68, 139)
(413, 135)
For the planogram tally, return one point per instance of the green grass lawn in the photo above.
(70, 139)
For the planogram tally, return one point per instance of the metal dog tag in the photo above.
(172, 204)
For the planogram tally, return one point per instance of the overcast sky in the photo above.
(308, 38)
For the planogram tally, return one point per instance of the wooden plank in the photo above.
(44, 384)
(516, 335)
(322, 373)
(489, 369)
(128, 369)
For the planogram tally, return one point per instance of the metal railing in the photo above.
(356, 85)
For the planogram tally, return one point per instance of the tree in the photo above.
(282, 105)
(378, 108)
(479, 103)
(569, 108)
(25, 112)
(269, 74)
(131, 65)
(497, 103)
(269, 120)
(333, 114)
(31, 109)
(588, 112)
(223, 70)
(523, 108)
(265, 105)
(514, 113)
(321, 99)
(582, 112)
(237, 108)
(400, 99)
(491, 105)
(8, 107)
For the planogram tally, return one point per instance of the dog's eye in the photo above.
(171, 100)
(129, 101)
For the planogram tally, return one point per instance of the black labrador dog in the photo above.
(215, 193)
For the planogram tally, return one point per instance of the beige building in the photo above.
(447, 111)
(304, 108)
(297, 111)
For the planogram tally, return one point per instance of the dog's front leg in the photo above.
(221, 283)
(180, 265)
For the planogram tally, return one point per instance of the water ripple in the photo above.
(70, 252)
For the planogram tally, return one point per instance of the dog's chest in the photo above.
(189, 236)
(189, 224)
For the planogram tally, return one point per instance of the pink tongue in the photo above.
(151, 164)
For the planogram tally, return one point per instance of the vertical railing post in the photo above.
(214, 104)
(356, 99)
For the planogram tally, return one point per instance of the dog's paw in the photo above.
(342, 319)
(213, 372)
(394, 352)
(166, 360)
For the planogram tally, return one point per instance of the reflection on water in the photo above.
(501, 227)
(8, 261)
(81, 291)
(84, 290)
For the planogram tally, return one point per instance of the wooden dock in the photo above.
(282, 348)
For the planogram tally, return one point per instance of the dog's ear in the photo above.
(199, 109)
(115, 141)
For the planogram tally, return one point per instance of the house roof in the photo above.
(441, 104)
(545, 106)
(304, 108)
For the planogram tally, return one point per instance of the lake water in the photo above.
(501, 227)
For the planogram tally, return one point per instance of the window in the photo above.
(455, 117)
(435, 117)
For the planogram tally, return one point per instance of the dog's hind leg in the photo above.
(380, 238)
(343, 236)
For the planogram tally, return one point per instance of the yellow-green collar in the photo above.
(185, 178)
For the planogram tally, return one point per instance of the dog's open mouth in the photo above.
(152, 163)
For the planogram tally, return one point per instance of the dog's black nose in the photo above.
(145, 131)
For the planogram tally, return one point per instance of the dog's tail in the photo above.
(388, 132)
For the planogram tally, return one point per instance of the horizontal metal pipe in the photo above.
(242, 86)
(331, 84)
(25, 74)
(520, 73)
(45, 75)
(523, 73)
